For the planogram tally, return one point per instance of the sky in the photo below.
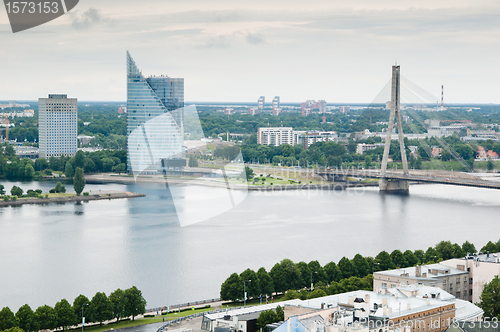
(236, 51)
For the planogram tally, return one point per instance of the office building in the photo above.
(261, 103)
(454, 281)
(276, 102)
(155, 115)
(275, 136)
(58, 126)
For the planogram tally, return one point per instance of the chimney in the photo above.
(408, 306)
(367, 298)
(418, 271)
(428, 302)
(384, 310)
(389, 311)
(424, 275)
(385, 302)
(322, 306)
(350, 300)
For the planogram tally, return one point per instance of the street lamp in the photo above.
(245, 293)
(83, 318)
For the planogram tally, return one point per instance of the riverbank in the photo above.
(105, 178)
(58, 199)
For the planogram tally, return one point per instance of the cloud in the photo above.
(221, 41)
(88, 18)
(255, 38)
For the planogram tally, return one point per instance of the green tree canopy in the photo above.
(26, 318)
(7, 319)
(65, 314)
(101, 307)
(46, 317)
(265, 282)
(79, 181)
(230, 289)
(117, 299)
(135, 304)
(490, 298)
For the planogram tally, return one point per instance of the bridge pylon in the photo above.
(395, 186)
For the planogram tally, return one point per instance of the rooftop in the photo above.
(430, 271)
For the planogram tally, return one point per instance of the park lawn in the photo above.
(120, 325)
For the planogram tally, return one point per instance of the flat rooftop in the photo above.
(432, 271)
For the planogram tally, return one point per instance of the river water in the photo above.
(60, 251)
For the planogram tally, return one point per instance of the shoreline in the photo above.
(207, 182)
(67, 199)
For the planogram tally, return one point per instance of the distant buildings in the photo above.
(307, 138)
(362, 147)
(11, 104)
(261, 103)
(122, 110)
(253, 110)
(454, 280)
(309, 105)
(58, 125)
(24, 114)
(286, 135)
(344, 109)
(276, 102)
(275, 136)
(155, 116)
(228, 111)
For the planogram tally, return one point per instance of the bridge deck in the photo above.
(439, 177)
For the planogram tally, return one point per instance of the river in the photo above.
(54, 251)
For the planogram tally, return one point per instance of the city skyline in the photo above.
(239, 51)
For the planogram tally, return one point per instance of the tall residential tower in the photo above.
(58, 124)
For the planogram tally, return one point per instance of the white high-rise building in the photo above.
(58, 126)
(275, 136)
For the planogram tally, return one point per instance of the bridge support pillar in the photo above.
(394, 186)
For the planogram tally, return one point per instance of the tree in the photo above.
(384, 261)
(247, 173)
(267, 317)
(252, 288)
(265, 282)
(79, 181)
(347, 268)
(468, 247)
(65, 314)
(117, 299)
(281, 313)
(410, 258)
(46, 317)
(490, 298)
(230, 289)
(490, 165)
(81, 305)
(333, 272)
(398, 258)
(361, 266)
(29, 171)
(444, 250)
(2, 190)
(69, 171)
(79, 159)
(41, 164)
(16, 191)
(317, 293)
(60, 188)
(26, 318)
(135, 304)
(430, 255)
(7, 319)
(102, 309)
(490, 246)
(193, 162)
(285, 276)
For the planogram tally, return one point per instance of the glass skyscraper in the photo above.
(155, 115)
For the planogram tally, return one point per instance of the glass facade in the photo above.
(154, 119)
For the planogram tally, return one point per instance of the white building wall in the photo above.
(58, 126)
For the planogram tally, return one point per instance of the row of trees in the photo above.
(287, 275)
(13, 168)
(119, 304)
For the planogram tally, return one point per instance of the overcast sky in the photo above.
(238, 50)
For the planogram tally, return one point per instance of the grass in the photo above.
(142, 321)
